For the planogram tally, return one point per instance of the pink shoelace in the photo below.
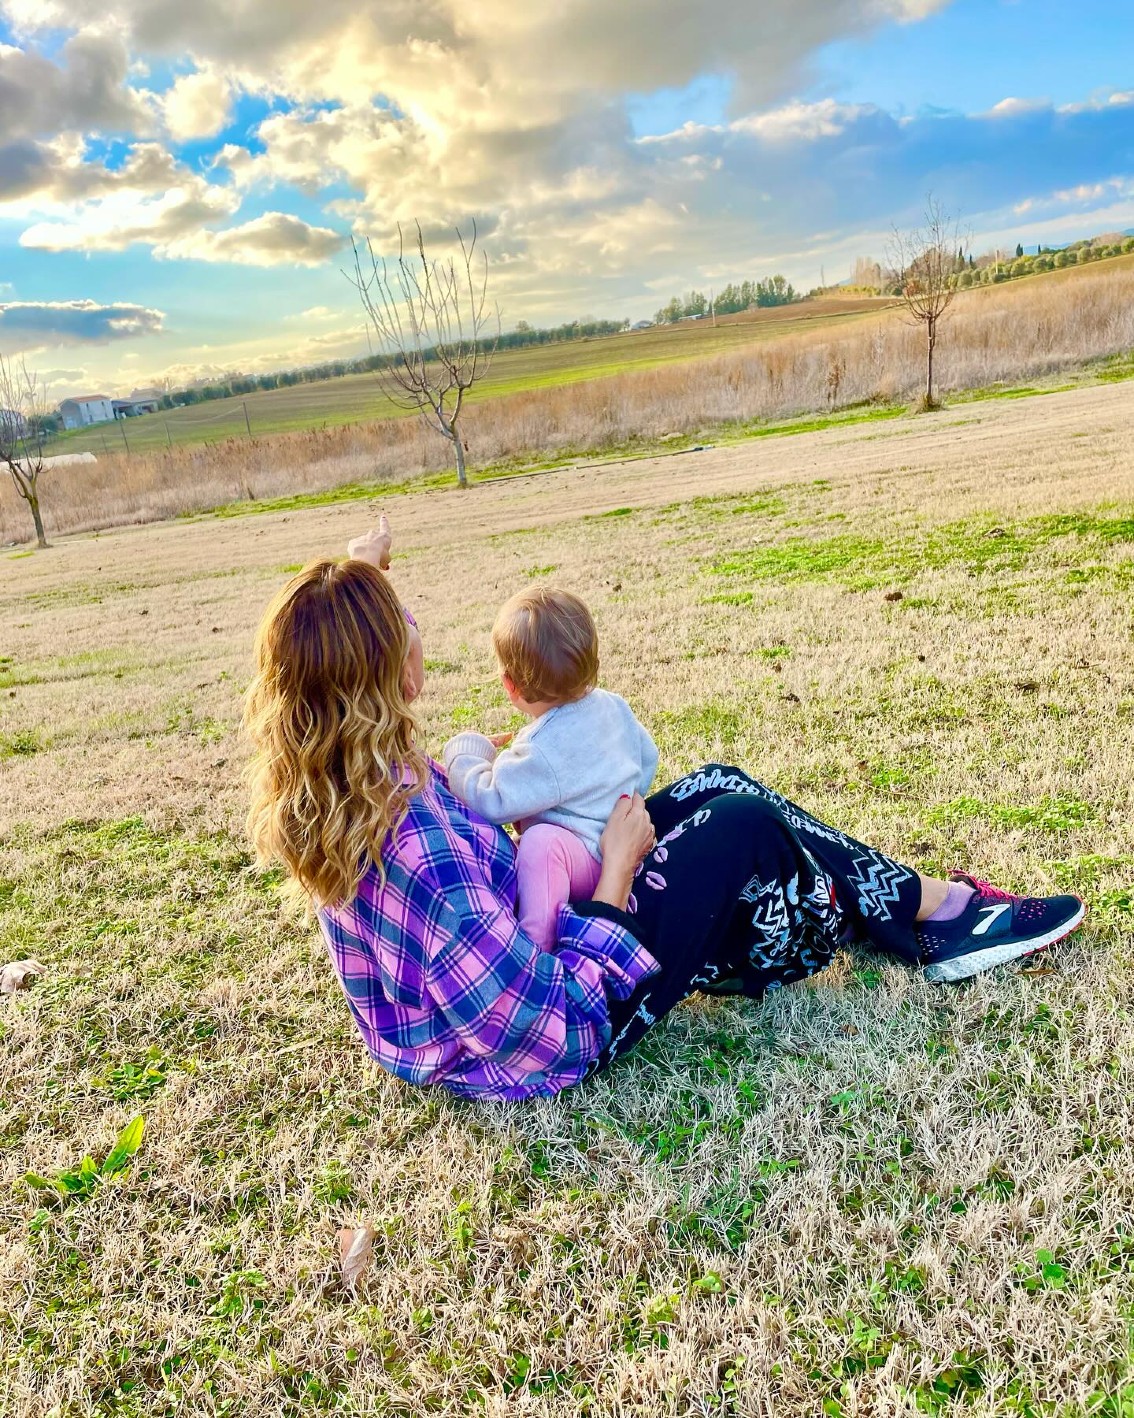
(983, 888)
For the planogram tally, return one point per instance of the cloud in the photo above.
(490, 57)
(85, 92)
(197, 105)
(274, 239)
(130, 216)
(38, 176)
(802, 122)
(26, 325)
(178, 225)
(1016, 107)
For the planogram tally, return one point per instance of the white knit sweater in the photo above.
(568, 767)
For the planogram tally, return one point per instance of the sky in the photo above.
(179, 182)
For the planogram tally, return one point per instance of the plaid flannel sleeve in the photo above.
(508, 1001)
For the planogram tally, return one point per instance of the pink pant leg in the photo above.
(553, 866)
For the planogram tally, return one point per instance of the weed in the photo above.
(82, 1182)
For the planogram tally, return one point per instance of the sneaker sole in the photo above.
(963, 967)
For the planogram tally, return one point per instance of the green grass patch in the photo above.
(978, 545)
(1048, 814)
(820, 423)
(21, 743)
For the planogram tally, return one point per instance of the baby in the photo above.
(563, 773)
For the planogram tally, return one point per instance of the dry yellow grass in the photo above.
(838, 1201)
(1025, 330)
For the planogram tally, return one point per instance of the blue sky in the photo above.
(177, 186)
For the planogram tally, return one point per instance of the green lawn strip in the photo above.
(979, 545)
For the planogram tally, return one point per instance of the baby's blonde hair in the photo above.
(547, 645)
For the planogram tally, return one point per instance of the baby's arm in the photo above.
(649, 755)
(508, 786)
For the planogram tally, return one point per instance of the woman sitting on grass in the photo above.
(716, 883)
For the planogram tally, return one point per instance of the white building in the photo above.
(86, 409)
(141, 401)
(13, 425)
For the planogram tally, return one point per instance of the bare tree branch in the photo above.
(925, 262)
(24, 424)
(431, 317)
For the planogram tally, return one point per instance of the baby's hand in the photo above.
(500, 740)
(373, 546)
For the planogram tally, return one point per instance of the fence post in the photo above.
(122, 430)
(247, 425)
(165, 425)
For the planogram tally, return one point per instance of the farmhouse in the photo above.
(86, 409)
(141, 401)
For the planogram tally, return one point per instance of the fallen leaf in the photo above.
(356, 1247)
(16, 975)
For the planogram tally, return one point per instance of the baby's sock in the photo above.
(958, 896)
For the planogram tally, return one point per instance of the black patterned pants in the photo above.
(746, 892)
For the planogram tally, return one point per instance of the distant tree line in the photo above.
(523, 335)
(996, 267)
(748, 295)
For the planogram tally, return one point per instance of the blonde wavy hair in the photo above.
(336, 763)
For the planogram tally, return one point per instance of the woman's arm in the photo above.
(626, 839)
(373, 546)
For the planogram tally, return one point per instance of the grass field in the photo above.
(358, 398)
(864, 1196)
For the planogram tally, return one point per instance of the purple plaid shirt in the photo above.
(444, 987)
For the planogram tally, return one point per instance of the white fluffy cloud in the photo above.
(274, 239)
(197, 105)
(125, 217)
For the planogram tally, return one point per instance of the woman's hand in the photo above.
(626, 839)
(373, 546)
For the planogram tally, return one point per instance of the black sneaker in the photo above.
(994, 927)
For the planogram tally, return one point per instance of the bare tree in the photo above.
(430, 317)
(925, 265)
(23, 432)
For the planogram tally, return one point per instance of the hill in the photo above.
(358, 398)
